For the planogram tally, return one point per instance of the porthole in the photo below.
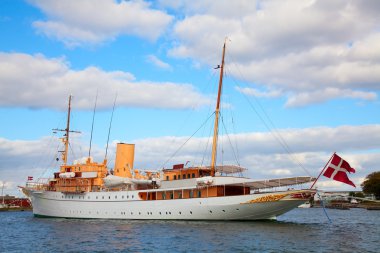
(102, 197)
(115, 197)
(224, 210)
(133, 196)
(210, 211)
(109, 197)
(122, 196)
(127, 196)
(139, 213)
(160, 213)
(191, 212)
(180, 213)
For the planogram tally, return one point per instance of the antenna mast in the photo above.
(109, 129)
(217, 109)
(93, 120)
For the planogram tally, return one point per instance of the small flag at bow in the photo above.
(337, 169)
(30, 178)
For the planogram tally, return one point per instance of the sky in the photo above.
(302, 81)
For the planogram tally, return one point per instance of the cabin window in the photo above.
(188, 175)
(175, 177)
(179, 176)
(184, 176)
(180, 195)
(199, 194)
(163, 195)
(171, 195)
(191, 194)
(193, 175)
(167, 178)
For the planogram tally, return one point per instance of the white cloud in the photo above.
(158, 63)
(47, 82)
(93, 21)
(280, 172)
(258, 93)
(319, 96)
(314, 51)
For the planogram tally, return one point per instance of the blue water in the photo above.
(301, 230)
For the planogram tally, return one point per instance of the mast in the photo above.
(217, 109)
(67, 131)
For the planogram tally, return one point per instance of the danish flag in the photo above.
(337, 169)
(30, 178)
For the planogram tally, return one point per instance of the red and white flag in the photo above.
(30, 178)
(337, 169)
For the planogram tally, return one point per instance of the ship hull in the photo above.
(127, 205)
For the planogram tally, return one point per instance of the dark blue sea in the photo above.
(301, 230)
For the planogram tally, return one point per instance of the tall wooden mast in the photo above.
(67, 131)
(217, 109)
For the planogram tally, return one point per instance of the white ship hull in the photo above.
(127, 205)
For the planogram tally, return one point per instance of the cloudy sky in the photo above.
(302, 81)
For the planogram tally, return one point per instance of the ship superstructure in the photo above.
(90, 190)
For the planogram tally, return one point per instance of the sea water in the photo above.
(301, 230)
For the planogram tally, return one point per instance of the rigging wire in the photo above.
(207, 146)
(49, 166)
(186, 141)
(188, 116)
(109, 128)
(273, 130)
(229, 140)
(93, 120)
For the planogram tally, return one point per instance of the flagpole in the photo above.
(322, 170)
